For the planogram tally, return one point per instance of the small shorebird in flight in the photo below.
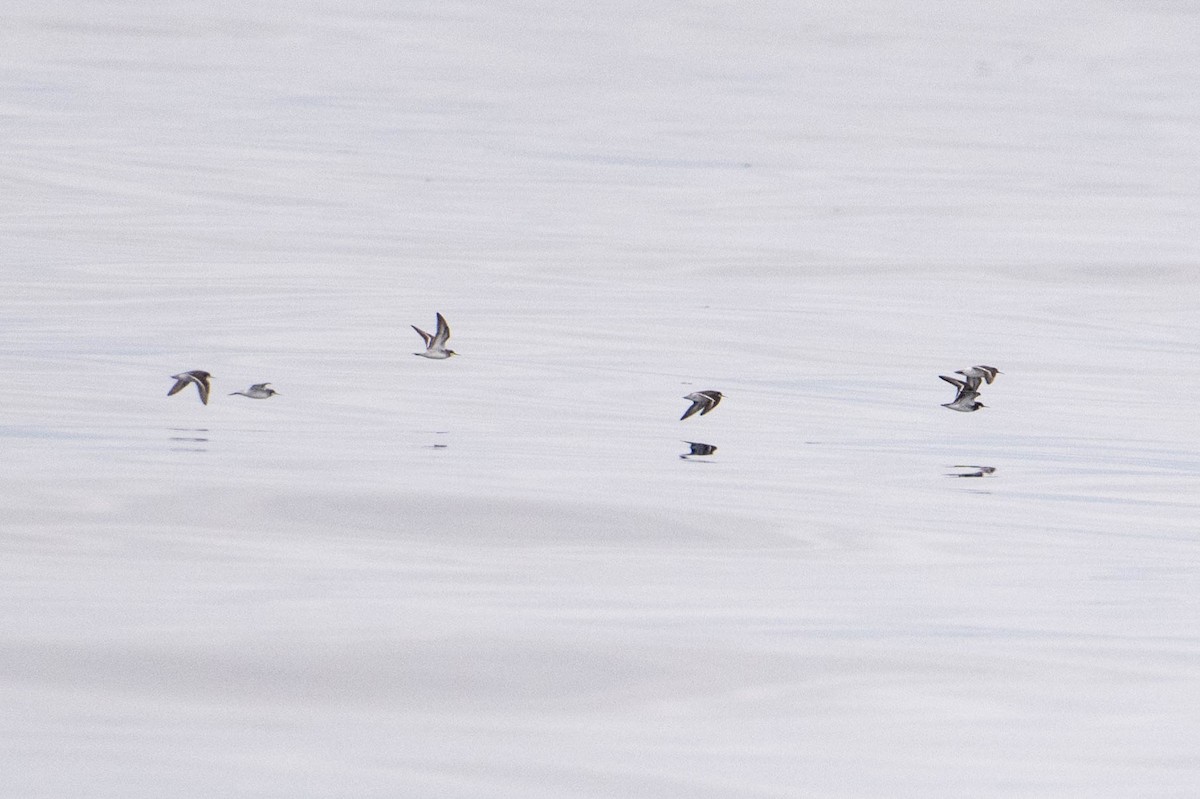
(964, 401)
(198, 377)
(975, 471)
(988, 373)
(435, 345)
(702, 401)
(258, 391)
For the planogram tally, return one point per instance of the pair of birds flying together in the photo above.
(965, 401)
(202, 380)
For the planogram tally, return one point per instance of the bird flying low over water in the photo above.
(964, 401)
(197, 377)
(988, 373)
(435, 345)
(702, 401)
(974, 471)
(258, 391)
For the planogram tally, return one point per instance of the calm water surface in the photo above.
(495, 576)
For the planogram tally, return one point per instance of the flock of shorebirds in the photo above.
(965, 401)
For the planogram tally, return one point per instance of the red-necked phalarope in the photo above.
(197, 376)
(988, 373)
(258, 391)
(702, 401)
(435, 345)
(964, 401)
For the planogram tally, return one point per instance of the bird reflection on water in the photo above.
(697, 449)
(179, 435)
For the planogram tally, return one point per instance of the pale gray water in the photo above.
(494, 576)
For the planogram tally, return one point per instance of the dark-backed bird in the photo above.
(198, 377)
(964, 401)
(702, 402)
(435, 345)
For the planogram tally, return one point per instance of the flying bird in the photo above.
(702, 401)
(975, 471)
(988, 373)
(197, 377)
(964, 401)
(435, 345)
(258, 391)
